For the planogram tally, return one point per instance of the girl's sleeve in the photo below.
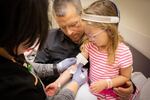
(125, 59)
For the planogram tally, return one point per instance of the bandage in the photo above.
(81, 59)
(100, 19)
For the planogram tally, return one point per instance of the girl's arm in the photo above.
(53, 88)
(125, 75)
(66, 75)
(70, 90)
(120, 80)
(84, 52)
(83, 56)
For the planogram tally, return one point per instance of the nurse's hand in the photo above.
(66, 63)
(80, 76)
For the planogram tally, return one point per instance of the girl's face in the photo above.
(96, 35)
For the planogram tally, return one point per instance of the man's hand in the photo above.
(125, 91)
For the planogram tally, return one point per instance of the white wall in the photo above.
(135, 23)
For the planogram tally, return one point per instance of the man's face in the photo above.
(71, 24)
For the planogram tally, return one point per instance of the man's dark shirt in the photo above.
(56, 48)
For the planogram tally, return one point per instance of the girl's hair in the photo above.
(106, 8)
(23, 21)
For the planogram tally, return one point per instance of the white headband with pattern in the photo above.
(100, 19)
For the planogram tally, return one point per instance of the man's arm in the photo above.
(126, 90)
(44, 54)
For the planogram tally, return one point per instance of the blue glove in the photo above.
(80, 76)
(66, 63)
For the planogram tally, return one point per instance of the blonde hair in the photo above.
(106, 8)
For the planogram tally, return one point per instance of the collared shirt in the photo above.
(56, 48)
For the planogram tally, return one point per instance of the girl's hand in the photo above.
(98, 86)
(52, 89)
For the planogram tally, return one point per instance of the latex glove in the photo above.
(66, 63)
(80, 76)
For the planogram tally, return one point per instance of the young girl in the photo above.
(110, 59)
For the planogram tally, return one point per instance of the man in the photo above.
(65, 42)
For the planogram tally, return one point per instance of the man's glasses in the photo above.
(73, 25)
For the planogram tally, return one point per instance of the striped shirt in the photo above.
(99, 67)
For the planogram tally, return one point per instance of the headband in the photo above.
(100, 19)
